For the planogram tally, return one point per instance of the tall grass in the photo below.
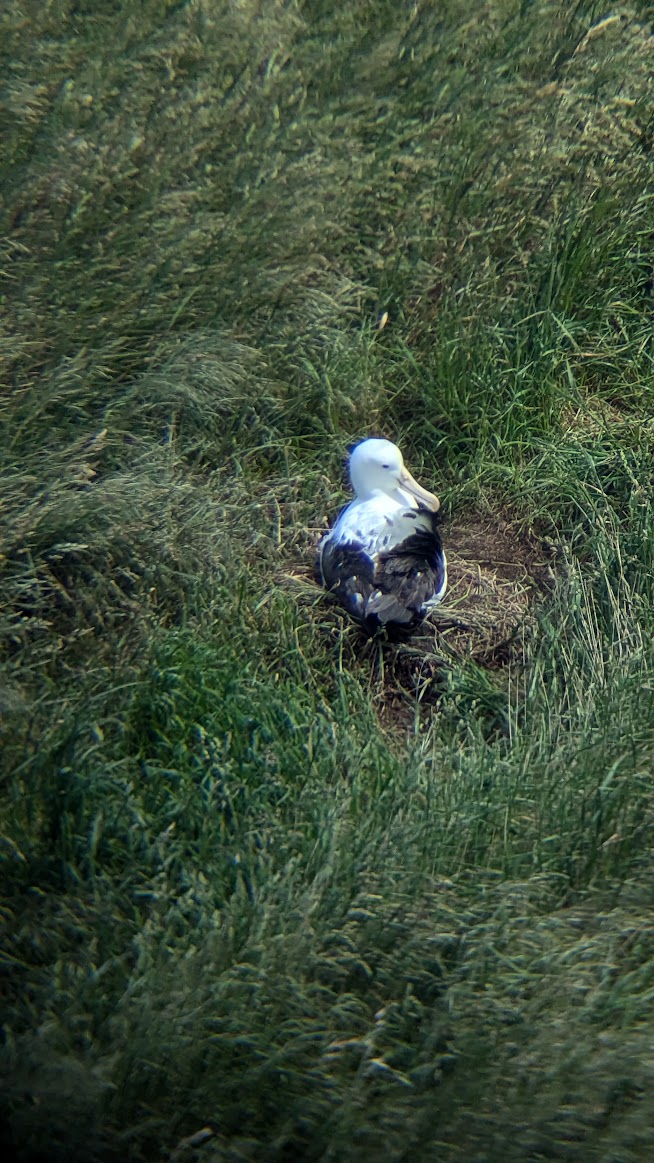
(235, 894)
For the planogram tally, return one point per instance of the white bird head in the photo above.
(377, 466)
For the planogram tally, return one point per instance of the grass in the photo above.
(330, 899)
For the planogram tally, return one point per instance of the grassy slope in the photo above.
(230, 897)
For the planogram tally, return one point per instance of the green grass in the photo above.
(239, 889)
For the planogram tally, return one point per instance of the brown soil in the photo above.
(494, 576)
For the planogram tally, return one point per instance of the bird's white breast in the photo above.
(379, 523)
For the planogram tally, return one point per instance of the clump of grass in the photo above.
(236, 894)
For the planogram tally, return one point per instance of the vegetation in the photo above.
(329, 899)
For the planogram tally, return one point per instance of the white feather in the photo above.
(379, 524)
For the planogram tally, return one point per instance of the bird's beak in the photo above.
(416, 490)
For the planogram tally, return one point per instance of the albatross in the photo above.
(383, 559)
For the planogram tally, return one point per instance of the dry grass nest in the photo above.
(495, 573)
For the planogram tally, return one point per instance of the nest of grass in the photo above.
(495, 575)
(494, 578)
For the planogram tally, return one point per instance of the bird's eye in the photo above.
(386, 466)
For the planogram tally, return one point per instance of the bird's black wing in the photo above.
(348, 573)
(414, 570)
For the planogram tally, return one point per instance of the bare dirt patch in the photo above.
(494, 575)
